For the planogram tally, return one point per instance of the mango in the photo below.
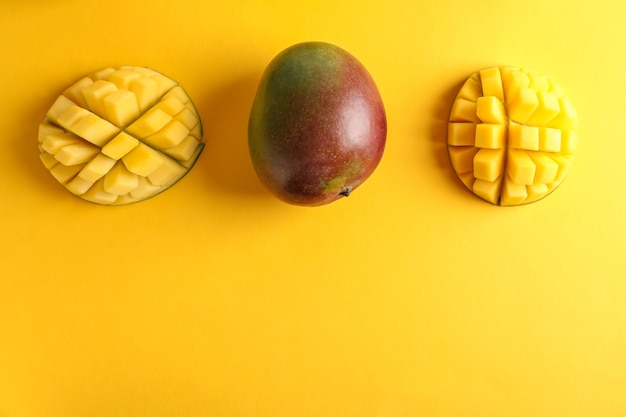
(511, 135)
(120, 135)
(317, 127)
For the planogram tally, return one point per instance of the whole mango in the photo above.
(317, 126)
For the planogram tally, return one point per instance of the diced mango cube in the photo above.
(569, 141)
(95, 93)
(489, 164)
(165, 83)
(170, 105)
(536, 192)
(184, 150)
(49, 161)
(196, 132)
(77, 153)
(189, 119)
(46, 129)
(167, 173)
(461, 134)
(471, 89)
(120, 145)
(490, 109)
(144, 71)
(193, 158)
(567, 117)
(94, 129)
(120, 180)
(514, 80)
(492, 136)
(538, 82)
(488, 190)
(523, 105)
(102, 74)
(564, 162)
(513, 194)
(556, 89)
(64, 173)
(121, 107)
(520, 167)
(125, 199)
(75, 92)
(54, 143)
(123, 78)
(143, 160)
(151, 122)
(60, 105)
(78, 185)
(491, 80)
(546, 168)
(189, 106)
(97, 168)
(547, 110)
(549, 139)
(467, 179)
(146, 90)
(464, 111)
(97, 194)
(145, 189)
(171, 135)
(72, 115)
(179, 93)
(523, 137)
(462, 158)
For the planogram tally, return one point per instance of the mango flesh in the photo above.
(317, 126)
(121, 135)
(511, 135)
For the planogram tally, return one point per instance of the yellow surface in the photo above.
(412, 297)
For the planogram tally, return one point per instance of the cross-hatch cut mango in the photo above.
(121, 135)
(511, 135)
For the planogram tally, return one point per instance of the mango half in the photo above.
(121, 135)
(511, 135)
(317, 127)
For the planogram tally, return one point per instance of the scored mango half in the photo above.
(121, 135)
(511, 135)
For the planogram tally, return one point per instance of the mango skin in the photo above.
(317, 126)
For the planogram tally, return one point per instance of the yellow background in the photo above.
(410, 298)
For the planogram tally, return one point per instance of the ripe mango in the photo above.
(512, 135)
(317, 127)
(121, 135)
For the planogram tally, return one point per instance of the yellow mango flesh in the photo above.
(511, 135)
(120, 135)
